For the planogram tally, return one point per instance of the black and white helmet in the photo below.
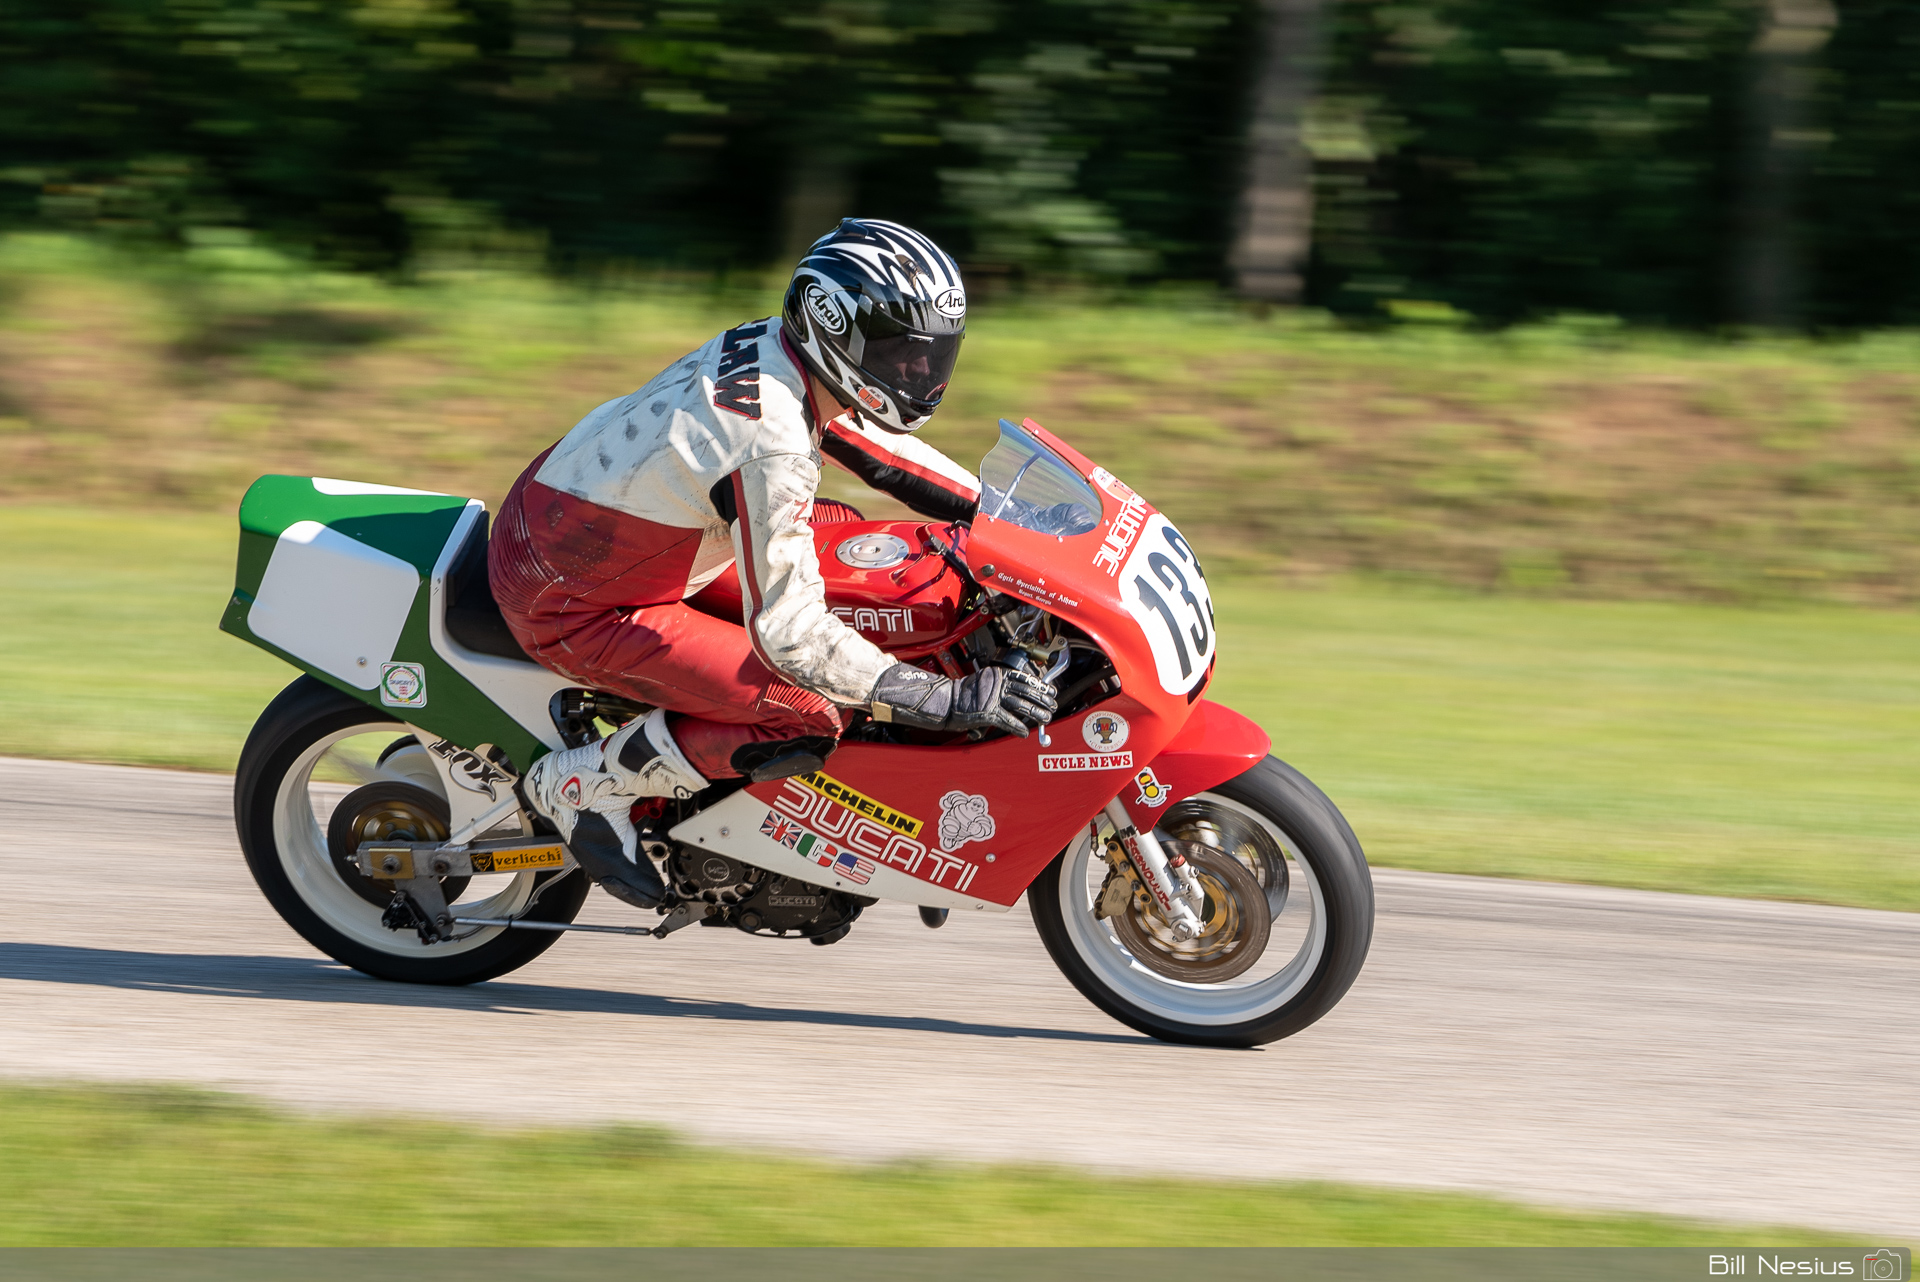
(877, 312)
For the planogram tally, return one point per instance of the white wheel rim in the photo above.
(1200, 1004)
(300, 840)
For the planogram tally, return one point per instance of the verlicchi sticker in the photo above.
(1105, 731)
(1153, 793)
(403, 685)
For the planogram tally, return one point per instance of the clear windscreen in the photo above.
(1024, 482)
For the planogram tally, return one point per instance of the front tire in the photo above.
(304, 731)
(1320, 935)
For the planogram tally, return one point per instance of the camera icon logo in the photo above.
(1883, 1266)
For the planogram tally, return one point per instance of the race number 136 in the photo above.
(1167, 596)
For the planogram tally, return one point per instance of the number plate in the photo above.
(1167, 596)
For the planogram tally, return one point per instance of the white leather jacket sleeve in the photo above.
(785, 610)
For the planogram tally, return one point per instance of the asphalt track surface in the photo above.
(1566, 1045)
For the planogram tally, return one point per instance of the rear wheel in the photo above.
(1289, 917)
(320, 758)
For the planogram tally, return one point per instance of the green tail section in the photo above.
(339, 579)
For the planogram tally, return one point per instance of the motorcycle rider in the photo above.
(712, 468)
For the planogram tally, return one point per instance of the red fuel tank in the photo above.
(886, 579)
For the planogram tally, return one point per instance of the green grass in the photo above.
(1676, 747)
(166, 1167)
(1568, 459)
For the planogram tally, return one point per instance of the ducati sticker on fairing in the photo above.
(1054, 763)
(1121, 534)
(1153, 793)
(810, 814)
(403, 685)
(1105, 731)
(963, 818)
(869, 619)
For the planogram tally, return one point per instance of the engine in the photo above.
(759, 902)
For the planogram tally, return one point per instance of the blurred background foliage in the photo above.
(1687, 163)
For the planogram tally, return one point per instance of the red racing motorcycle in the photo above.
(1184, 880)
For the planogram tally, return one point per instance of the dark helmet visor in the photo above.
(916, 366)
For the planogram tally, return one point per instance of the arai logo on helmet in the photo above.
(951, 302)
(871, 399)
(821, 308)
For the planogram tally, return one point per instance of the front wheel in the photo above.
(320, 759)
(1299, 856)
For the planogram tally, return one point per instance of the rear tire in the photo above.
(286, 850)
(1332, 891)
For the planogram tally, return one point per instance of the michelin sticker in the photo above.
(963, 818)
(403, 685)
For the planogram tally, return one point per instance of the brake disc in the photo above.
(1235, 919)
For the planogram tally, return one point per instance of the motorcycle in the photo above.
(1185, 881)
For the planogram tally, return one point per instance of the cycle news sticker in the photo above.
(403, 685)
(1057, 762)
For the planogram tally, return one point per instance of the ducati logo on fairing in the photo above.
(1121, 534)
(812, 814)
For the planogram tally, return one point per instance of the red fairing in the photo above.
(1215, 745)
(909, 607)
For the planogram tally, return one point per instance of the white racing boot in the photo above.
(587, 793)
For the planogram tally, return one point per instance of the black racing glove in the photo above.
(999, 697)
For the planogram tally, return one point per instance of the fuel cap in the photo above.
(873, 551)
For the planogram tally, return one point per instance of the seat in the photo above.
(473, 618)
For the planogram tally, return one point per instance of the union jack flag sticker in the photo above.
(785, 831)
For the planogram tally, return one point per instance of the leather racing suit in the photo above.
(711, 468)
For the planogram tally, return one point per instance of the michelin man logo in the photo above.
(963, 818)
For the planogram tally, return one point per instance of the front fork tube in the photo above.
(1176, 890)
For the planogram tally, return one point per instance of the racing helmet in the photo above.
(877, 312)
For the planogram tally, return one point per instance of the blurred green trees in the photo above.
(1509, 158)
